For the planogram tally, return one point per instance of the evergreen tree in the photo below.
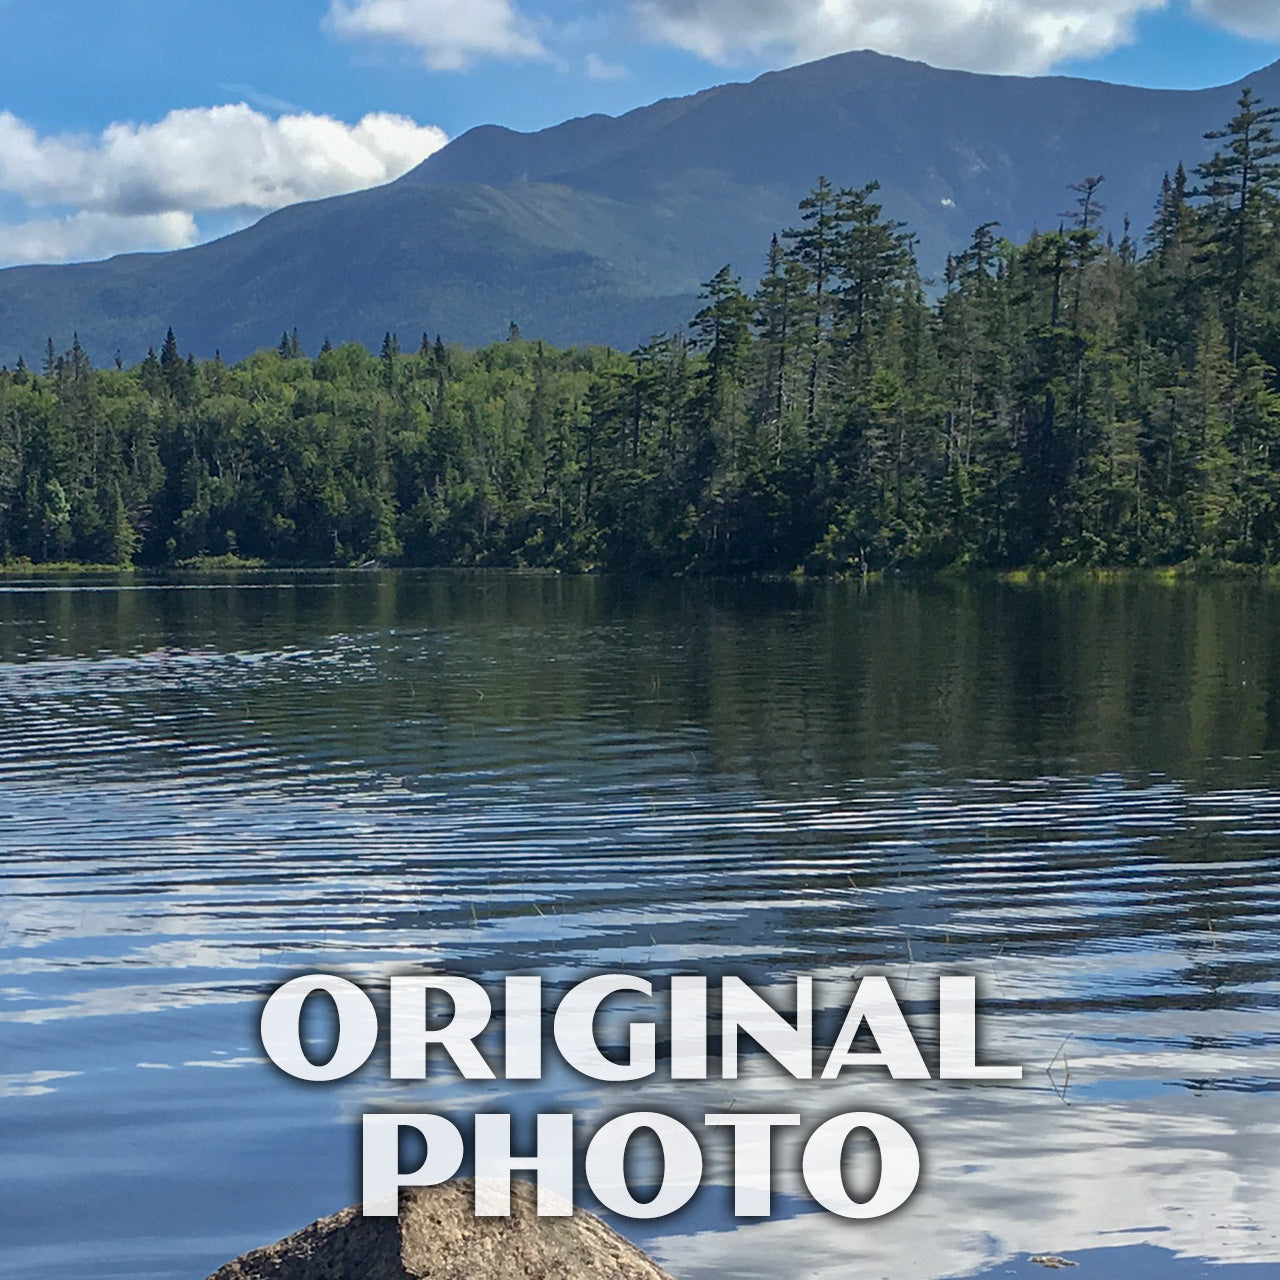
(813, 248)
(1241, 182)
(723, 330)
(1064, 400)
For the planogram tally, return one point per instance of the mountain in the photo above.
(602, 228)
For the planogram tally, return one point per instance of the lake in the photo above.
(208, 786)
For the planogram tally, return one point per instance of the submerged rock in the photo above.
(438, 1237)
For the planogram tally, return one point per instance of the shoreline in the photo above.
(1192, 571)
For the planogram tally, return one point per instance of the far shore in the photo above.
(1193, 570)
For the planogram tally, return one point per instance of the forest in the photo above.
(1075, 400)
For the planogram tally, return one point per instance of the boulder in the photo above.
(437, 1236)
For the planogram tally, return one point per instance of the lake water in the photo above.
(208, 786)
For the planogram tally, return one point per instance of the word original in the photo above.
(415, 1035)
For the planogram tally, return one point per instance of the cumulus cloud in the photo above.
(1257, 19)
(209, 158)
(143, 185)
(1025, 36)
(93, 235)
(449, 34)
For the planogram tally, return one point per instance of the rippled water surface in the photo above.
(209, 786)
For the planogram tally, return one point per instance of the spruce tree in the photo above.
(813, 248)
(1241, 182)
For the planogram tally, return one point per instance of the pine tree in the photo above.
(1170, 219)
(1241, 181)
(871, 261)
(723, 330)
(80, 366)
(389, 355)
(777, 303)
(169, 357)
(813, 248)
(150, 375)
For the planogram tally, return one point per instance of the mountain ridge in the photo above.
(602, 227)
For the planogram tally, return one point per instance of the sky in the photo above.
(157, 125)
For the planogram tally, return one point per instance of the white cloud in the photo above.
(449, 34)
(78, 236)
(598, 69)
(209, 158)
(1258, 19)
(138, 186)
(1025, 36)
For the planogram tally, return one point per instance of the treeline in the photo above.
(1073, 399)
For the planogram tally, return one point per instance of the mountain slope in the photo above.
(600, 229)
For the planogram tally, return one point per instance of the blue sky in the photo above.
(155, 125)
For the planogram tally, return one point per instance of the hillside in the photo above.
(600, 229)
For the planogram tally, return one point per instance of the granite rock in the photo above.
(438, 1237)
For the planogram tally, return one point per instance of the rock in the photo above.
(438, 1237)
(346, 1246)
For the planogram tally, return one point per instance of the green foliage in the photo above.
(1063, 401)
